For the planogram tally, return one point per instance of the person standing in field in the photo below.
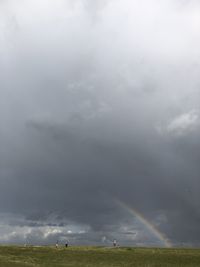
(114, 243)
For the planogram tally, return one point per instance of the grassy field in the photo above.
(96, 257)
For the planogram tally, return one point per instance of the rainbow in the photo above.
(152, 228)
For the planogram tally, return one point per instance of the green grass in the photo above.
(16, 256)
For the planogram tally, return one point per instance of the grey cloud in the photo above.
(87, 90)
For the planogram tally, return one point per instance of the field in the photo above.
(16, 256)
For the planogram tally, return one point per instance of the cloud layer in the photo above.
(99, 100)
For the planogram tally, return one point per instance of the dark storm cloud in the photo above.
(100, 101)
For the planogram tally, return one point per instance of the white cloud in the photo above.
(184, 123)
(180, 125)
(15, 229)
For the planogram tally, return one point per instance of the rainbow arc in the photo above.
(151, 227)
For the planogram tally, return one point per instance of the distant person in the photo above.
(114, 243)
(57, 244)
(66, 244)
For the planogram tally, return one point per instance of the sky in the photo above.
(100, 122)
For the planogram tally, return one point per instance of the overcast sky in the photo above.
(99, 104)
